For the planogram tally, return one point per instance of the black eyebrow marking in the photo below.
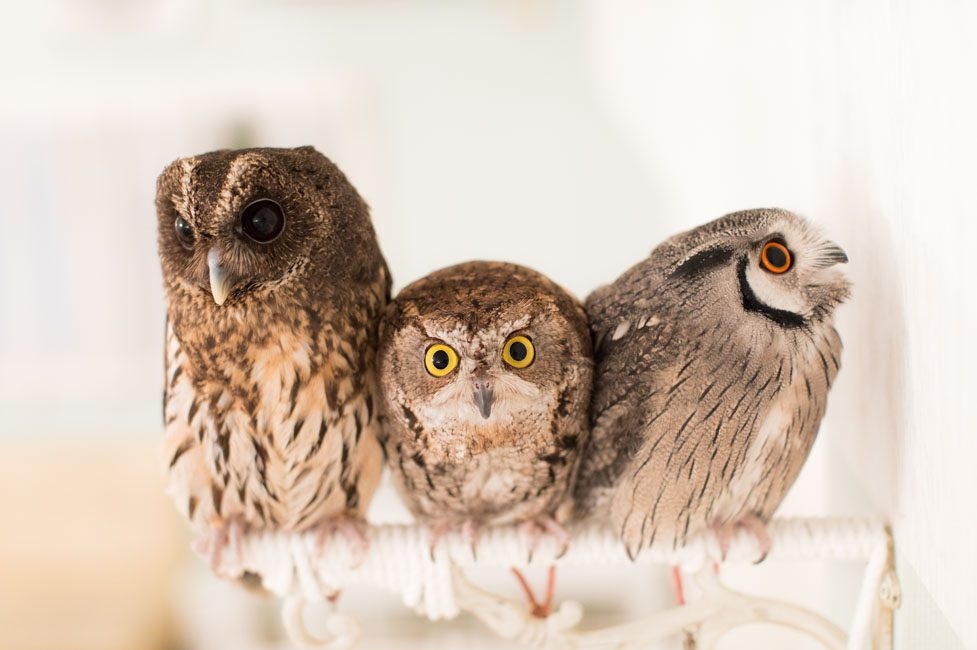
(782, 317)
(702, 262)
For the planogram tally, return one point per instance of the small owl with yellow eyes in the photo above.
(485, 378)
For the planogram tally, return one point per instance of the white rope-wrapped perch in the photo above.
(430, 579)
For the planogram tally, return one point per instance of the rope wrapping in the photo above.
(430, 578)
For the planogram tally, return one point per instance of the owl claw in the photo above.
(352, 528)
(534, 529)
(438, 531)
(224, 535)
(470, 529)
(472, 532)
(752, 525)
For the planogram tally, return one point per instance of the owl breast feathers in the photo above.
(714, 357)
(274, 286)
(485, 374)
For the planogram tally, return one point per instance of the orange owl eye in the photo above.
(775, 257)
(440, 359)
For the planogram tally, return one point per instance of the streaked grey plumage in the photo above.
(712, 377)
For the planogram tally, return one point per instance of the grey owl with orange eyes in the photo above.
(485, 375)
(274, 287)
(714, 358)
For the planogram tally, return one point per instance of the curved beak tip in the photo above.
(220, 279)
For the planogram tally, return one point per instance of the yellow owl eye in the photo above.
(440, 359)
(519, 352)
(775, 257)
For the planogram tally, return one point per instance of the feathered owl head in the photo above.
(481, 343)
(246, 224)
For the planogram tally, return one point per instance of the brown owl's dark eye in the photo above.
(263, 220)
(184, 232)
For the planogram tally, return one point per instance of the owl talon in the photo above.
(473, 533)
(223, 536)
(352, 528)
(438, 531)
(534, 529)
(563, 550)
(752, 525)
(470, 529)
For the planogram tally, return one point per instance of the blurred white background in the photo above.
(569, 135)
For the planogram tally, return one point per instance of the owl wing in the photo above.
(631, 346)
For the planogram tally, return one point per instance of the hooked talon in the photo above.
(469, 528)
(471, 531)
(350, 527)
(563, 550)
(223, 535)
(535, 528)
(752, 525)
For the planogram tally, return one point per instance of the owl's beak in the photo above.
(483, 396)
(221, 281)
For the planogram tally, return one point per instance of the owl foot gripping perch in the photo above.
(352, 528)
(752, 525)
(398, 560)
(470, 529)
(535, 529)
(223, 536)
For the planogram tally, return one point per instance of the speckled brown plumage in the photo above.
(269, 397)
(712, 377)
(452, 463)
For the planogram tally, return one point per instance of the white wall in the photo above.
(470, 130)
(862, 116)
(571, 136)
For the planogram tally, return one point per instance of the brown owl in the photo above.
(485, 376)
(274, 286)
(714, 360)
